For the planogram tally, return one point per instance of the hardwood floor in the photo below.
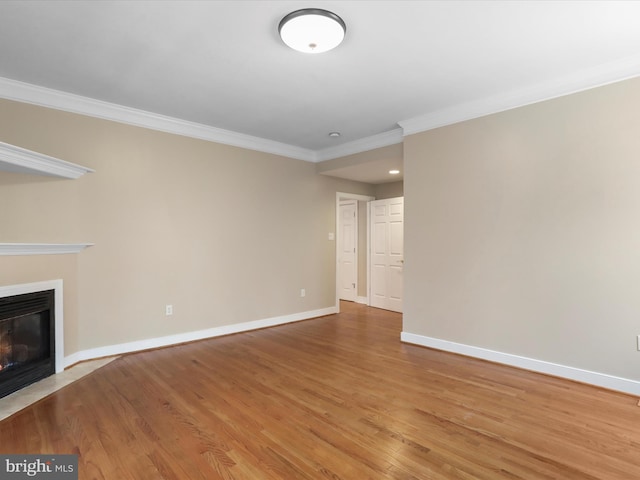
(339, 397)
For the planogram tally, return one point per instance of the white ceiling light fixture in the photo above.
(394, 172)
(312, 30)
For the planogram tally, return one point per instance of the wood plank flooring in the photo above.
(339, 397)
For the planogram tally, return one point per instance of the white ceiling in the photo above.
(221, 66)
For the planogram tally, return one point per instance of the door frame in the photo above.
(360, 198)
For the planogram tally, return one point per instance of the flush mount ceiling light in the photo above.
(312, 30)
(394, 172)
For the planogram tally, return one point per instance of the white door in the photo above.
(347, 261)
(387, 253)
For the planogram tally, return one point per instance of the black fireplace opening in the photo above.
(27, 340)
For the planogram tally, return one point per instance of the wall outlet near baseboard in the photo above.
(303, 292)
(168, 310)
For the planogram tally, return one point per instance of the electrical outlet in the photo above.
(168, 310)
(303, 292)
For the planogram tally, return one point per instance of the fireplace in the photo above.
(27, 339)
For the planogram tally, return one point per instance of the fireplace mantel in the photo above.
(42, 248)
(20, 160)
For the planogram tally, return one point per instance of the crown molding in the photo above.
(20, 160)
(601, 75)
(42, 248)
(392, 137)
(611, 72)
(46, 97)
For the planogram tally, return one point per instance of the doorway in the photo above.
(347, 250)
(359, 249)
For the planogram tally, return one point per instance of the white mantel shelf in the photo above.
(42, 248)
(20, 160)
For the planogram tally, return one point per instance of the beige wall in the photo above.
(378, 161)
(226, 235)
(389, 190)
(523, 233)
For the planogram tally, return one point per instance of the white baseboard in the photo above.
(585, 376)
(150, 343)
(362, 300)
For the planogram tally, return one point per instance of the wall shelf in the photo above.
(42, 248)
(20, 160)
